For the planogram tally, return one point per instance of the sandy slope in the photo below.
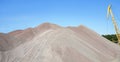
(8, 42)
(56, 44)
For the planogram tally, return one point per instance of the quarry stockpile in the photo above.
(52, 43)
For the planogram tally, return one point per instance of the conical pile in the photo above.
(52, 43)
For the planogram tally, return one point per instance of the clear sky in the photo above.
(21, 14)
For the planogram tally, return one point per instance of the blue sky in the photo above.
(21, 14)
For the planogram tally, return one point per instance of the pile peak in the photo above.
(47, 25)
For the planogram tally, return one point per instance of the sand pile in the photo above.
(52, 43)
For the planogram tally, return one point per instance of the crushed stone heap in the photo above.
(52, 43)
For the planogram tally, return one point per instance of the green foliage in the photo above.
(111, 37)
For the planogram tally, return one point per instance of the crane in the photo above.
(110, 13)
